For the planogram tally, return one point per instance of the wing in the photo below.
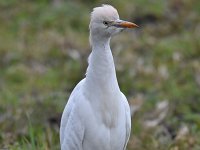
(71, 128)
(128, 119)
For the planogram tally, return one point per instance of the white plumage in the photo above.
(97, 114)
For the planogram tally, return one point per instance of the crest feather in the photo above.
(104, 12)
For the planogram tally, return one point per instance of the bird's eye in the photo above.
(105, 23)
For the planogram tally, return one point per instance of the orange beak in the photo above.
(124, 24)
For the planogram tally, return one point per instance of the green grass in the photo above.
(39, 67)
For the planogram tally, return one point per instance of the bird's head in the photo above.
(105, 22)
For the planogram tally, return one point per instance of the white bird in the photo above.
(97, 114)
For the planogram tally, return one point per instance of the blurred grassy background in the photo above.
(43, 54)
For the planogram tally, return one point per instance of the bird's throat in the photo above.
(101, 70)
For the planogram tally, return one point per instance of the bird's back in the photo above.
(69, 113)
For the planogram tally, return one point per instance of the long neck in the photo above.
(101, 74)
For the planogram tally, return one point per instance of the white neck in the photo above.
(101, 74)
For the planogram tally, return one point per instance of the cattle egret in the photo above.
(97, 114)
